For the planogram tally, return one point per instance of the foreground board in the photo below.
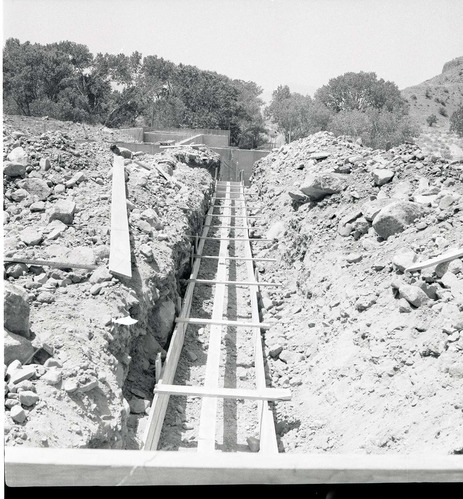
(34, 467)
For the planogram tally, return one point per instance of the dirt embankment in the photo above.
(74, 376)
(372, 354)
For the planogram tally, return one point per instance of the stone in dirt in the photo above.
(81, 254)
(36, 187)
(101, 274)
(18, 155)
(28, 398)
(16, 310)
(395, 218)
(16, 347)
(44, 164)
(276, 231)
(404, 259)
(320, 185)
(413, 294)
(30, 236)
(382, 176)
(365, 302)
(52, 376)
(63, 211)
(253, 444)
(137, 405)
(25, 372)
(18, 414)
(371, 208)
(11, 169)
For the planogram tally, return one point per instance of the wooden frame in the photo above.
(36, 467)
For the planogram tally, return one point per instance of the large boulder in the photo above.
(163, 319)
(395, 217)
(319, 185)
(16, 347)
(11, 169)
(382, 176)
(18, 155)
(16, 310)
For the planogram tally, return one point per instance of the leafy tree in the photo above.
(360, 91)
(456, 122)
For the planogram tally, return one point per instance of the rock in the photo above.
(451, 281)
(318, 156)
(276, 231)
(25, 372)
(404, 259)
(382, 176)
(28, 398)
(56, 228)
(297, 196)
(404, 306)
(456, 370)
(275, 351)
(52, 376)
(395, 217)
(137, 405)
(18, 155)
(16, 347)
(75, 179)
(192, 356)
(52, 363)
(45, 297)
(253, 444)
(318, 186)
(36, 187)
(413, 294)
(12, 170)
(30, 236)
(95, 289)
(70, 385)
(164, 319)
(365, 302)
(45, 164)
(289, 357)
(456, 266)
(59, 189)
(16, 310)
(38, 206)
(81, 254)
(354, 257)
(371, 208)
(63, 211)
(16, 270)
(101, 274)
(18, 414)
(147, 252)
(19, 194)
(92, 384)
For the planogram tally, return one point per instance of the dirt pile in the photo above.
(77, 374)
(372, 353)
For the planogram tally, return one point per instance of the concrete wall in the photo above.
(233, 160)
(135, 133)
(218, 140)
(146, 148)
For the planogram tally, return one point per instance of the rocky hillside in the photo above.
(440, 95)
(372, 353)
(81, 343)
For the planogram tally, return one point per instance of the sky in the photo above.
(299, 43)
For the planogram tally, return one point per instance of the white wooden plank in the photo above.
(218, 392)
(255, 259)
(208, 416)
(222, 322)
(267, 433)
(50, 263)
(234, 283)
(446, 257)
(38, 467)
(119, 255)
(160, 402)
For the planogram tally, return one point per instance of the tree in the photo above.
(431, 119)
(456, 121)
(360, 91)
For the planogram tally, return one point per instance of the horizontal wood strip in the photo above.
(205, 322)
(50, 263)
(234, 283)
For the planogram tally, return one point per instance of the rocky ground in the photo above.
(372, 353)
(74, 375)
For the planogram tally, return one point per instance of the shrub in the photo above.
(456, 122)
(431, 119)
(443, 111)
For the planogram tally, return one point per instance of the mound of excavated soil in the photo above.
(373, 354)
(73, 376)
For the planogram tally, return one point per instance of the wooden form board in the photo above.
(119, 253)
(268, 443)
(160, 401)
(234, 283)
(234, 393)
(50, 263)
(446, 257)
(208, 416)
(36, 467)
(256, 259)
(222, 322)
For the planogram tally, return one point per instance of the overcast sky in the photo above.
(301, 43)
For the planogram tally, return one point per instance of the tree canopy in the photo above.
(65, 81)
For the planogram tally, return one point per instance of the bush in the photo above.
(443, 111)
(456, 122)
(431, 119)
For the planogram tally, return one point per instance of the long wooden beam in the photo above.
(234, 283)
(222, 322)
(446, 257)
(208, 415)
(36, 467)
(50, 263)
(230, 393)
(119, 252)
(252, 240)
(256, 259)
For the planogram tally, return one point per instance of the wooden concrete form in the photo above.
(160, 401)
(50, 263)
(255, 259)
(38, 467)
(208, 415)
(222, 322)
(446, 257)
(234, 283)
(119, 253)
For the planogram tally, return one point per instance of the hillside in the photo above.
(440, 95)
